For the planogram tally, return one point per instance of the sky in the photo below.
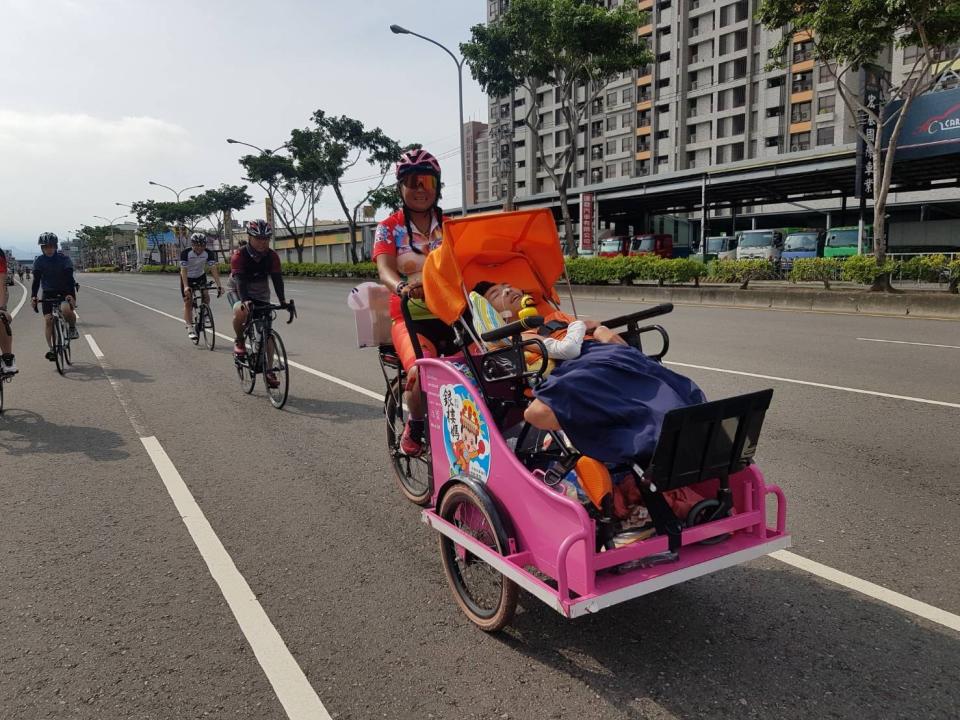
(97, 97)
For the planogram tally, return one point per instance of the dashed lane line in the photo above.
(285, 675)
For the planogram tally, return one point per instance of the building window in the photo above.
(626, 167)
(800, 112)
(799, 142)
(505, 110)
(825, 135)
(825, 72)
(826, 104)
(611, 98)
(626, 119)
(626, 144)
(611, 170)
(611, 122)
(596, 152)
(626, 95)
(596, 176)
(611, 147)
(643, 168)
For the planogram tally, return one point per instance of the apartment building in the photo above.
(707, 99)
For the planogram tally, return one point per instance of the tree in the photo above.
(334, 146)
(572, 45)
(216, 204)
(156, 218)
(94, 243)
(291, 183)
(847, 37)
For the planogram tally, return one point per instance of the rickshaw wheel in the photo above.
(414, 474)
(483, 593)
(702, 512)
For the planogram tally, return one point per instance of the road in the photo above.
(300, 576)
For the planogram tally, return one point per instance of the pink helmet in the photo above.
(417, 161)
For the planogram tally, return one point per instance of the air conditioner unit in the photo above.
(794, 148)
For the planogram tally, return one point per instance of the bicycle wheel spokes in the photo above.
(197, 324)
(209, 330)
(276, 372)
(58, 344)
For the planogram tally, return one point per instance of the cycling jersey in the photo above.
(3, 263)
(392, 238)
(54, 274)
(196, 263)
(250, 275)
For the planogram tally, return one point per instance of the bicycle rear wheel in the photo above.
(58, 344)
(276, 363)
(414, 474)
(248, 378)
(207, 327)
(2, 383)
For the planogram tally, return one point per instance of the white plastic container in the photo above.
(370, 303)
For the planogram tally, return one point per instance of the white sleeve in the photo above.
(569, 347)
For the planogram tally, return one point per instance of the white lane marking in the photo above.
(857, 391)
(877, 592)
(287, 678)
(318, 373)
(904, 342)
(290, 684)
(828, 573)
(23, 298)
(94, 347)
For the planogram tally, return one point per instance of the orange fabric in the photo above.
(404, 345)
(595, 479)
(520, 248)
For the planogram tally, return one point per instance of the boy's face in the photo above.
(504, 298)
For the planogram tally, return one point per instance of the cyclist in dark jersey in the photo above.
(8, 365)
(53, 273)
(252, 268)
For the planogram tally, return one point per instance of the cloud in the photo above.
(62, 168)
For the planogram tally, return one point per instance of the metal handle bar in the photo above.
(656, 310)
(514, 328)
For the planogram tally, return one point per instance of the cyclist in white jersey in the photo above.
(193, 274)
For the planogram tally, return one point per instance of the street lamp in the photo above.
(175, 192)
(111, 223)
(273, 219)
(398, 30)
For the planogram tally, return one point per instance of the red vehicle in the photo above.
(613, 246)
(661, 245)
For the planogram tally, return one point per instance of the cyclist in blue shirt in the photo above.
(53, 273)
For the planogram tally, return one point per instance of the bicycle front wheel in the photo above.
(66, 350)
(207, 327)
(58, 345)
(276, 372)
(414, 474)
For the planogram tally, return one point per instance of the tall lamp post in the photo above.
(177, 194)
(273, 212)
(398, 30)
(111, 223)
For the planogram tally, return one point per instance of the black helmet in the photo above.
(48, 238)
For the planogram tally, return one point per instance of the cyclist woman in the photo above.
(400, 248)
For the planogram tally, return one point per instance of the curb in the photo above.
(919, 305)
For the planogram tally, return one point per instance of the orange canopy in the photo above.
(521, 248)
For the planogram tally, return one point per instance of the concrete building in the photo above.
(476, 148)
(705, 105)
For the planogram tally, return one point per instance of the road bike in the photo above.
(203, 324)
(5, 377)
(266, 354)
(61, 336)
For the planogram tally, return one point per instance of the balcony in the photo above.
(800, 127)
(800, 66)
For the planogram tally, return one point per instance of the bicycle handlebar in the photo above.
(514, 328)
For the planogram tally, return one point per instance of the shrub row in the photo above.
(604, 271)
(338, 270)
(104, 269)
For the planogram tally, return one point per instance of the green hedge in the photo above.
(812, 269)
(103, 269)
(624, 270)
(741, 271)
(337, 270)
(928, 268)
(863, 269)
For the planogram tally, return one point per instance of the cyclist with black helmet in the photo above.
(53, 274)
(252, 268)
(400, 248)
(8, 364)
(193, 274)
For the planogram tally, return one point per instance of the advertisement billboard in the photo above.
(587, 220)
(931, 127)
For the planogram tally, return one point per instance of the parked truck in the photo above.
(806, 243)
(842, 241)
(719, 247)
(659, 244)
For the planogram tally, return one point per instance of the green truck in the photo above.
(842, 241)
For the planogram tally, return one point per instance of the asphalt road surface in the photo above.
(173, 548)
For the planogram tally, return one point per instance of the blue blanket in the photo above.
(611, 400)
